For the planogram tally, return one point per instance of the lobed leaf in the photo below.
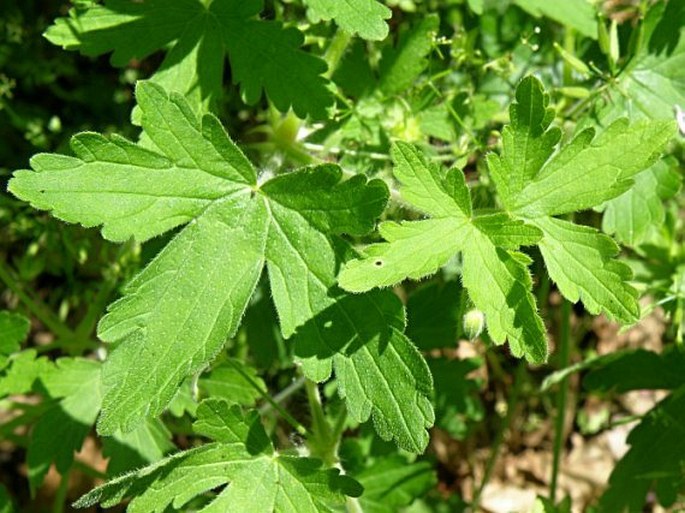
(654, 461)
(577, 14)
(14, 328)
(401, 66)
(535, 183)
(498, 282)
(392, 483)
(631, 216)
(176, 315)
(587, 172)
(580, 260)
(363, 17)
(74, 384)
(264, 55)
(260, 479)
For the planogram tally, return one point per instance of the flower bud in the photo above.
(474, 322)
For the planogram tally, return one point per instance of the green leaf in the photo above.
(414, 249)
(497, 281)
(260, 479)
(401, 66)
(654, 81)
(640, 210)
(21, 371)
(392, 483)
(576, 14)
(379, 371)
(581, 261)
(6, 502)
(476, 6)
(654, 461)
(176, 315)
(264, 56)
(14, 328)
(527, 142)
(611, 160)
(61, 430)
(146, 444)
(227, 382)
(434, 315)
(363, 17)
(616, 371)
(536, 183)
(173, 318)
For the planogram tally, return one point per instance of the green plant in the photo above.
(242, 272)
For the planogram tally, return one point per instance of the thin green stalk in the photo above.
(88, 470)
(336, 50)
(284, 394)
(322, 442)
(512, 404)
(570, 47)
(543, 288)
(95, 310)
(562, 394)
(339, 426)
(37, 308)
(61, 494)
(302, 430)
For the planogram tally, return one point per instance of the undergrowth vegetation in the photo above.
(364, 256)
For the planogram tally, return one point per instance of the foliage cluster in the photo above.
(246, 276)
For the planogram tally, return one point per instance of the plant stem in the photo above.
(284, 394)
(336, 50)
(352, 505)
(88, 470)
(322, 442)
(37, 308)
(95, 310)
(61, 494)
(562, 394)
(543, 289)
(570, 47)
(289, 418)
(504, 427)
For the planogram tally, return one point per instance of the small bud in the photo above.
(474, 322)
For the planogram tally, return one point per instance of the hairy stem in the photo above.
(336, 50)
(562, 395)
(288, 418)
(322, 441)
(284, 394)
